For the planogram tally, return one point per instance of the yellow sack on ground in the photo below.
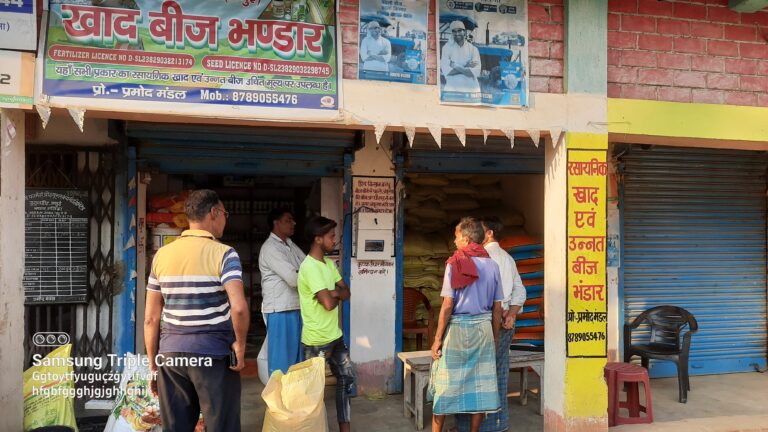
(295, 400)
(49, 391)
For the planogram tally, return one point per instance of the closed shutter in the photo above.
(240, 150)
(695, 237)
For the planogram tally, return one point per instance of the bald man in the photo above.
(375, 50)
(460, 62)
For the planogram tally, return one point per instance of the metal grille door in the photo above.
(88, 325)
(695, 237)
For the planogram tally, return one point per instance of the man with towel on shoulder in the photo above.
(464, 369)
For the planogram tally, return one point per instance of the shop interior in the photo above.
(248, 201)
(480, 179)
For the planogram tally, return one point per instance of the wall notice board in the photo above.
(56, 249)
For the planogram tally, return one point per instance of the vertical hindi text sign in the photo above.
(56, 249)
(586, 303)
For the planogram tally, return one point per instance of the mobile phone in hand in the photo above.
(232, 359)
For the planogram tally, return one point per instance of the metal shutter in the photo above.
(241, 150)
(695, 237)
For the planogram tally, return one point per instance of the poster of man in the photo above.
(393, 40)
(483, 53)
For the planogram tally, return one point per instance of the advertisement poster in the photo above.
(18, 25)
(393, 40)
(17, 70)
(277, 54)
(483, 52)
(586, 296)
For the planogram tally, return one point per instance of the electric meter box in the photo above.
(375, 236)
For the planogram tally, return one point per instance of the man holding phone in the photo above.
(196, 285)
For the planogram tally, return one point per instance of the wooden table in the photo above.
(524, 360)
(416, 369)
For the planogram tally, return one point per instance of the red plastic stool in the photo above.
(617, 374)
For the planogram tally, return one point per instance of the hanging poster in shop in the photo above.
(242, 58)
(56, 246)
(18, 25)
(393, 40)
(483, 52)
(16, 83)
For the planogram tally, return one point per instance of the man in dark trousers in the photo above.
(196, 284)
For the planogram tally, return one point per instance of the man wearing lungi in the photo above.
(463, 377)
(514, 298)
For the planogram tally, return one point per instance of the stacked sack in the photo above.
(528, 253)
(168, 211)
(435, 203)
(433, 207)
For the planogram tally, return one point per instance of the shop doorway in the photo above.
(254, 170)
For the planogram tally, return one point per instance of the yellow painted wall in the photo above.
(687, 120)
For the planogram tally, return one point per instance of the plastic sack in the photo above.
(49, 391)
(295, 400)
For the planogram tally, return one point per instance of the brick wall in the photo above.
(687, 51)
(546, 35)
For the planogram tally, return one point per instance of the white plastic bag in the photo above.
(295, 400)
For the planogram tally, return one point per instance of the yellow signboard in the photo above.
(586, 295)
(17, 70)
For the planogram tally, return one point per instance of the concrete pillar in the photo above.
(373, 304)
(11, 269)
(576, 295)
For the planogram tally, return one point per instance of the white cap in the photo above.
(374, 24)
(457, 25)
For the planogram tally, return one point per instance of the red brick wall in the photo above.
(546, 35)
(687, 51)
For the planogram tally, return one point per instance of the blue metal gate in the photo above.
(694, 235)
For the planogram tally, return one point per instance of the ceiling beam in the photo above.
(747, 6)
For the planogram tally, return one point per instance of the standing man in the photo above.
(514, 298)
(279, 261)
(375, 50)
(321, 290)
(460, 62)
(464, 370)
(196, 283)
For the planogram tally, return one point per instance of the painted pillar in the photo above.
(124, 309)
(576, 296)
(373, 326)
(11, 268)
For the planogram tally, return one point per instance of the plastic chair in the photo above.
(617, 374)
(667, 324)
(411, 300)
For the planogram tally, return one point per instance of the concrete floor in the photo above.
(374, 415)
(716, 403)
(732, 402)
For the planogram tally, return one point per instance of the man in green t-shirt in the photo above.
(321, 291)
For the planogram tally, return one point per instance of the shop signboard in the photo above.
(56, 246)
(254, 59)
(586, 296)
(393, 40)
(483, 52)
(18, 25)
(16, 79)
